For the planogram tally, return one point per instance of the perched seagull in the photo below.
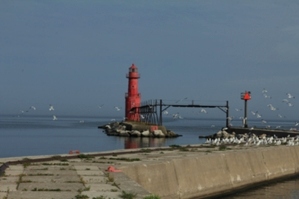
(290, 95)
(54, 117)
(117, 108)
(51, 108)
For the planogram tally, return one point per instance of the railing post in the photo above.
(227, 114)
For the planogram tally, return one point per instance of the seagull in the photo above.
(264, 121)
(258, 115)
(272, 108)
(290, 95)
(101, 106)
(254, 113)
(54, 117)
(51, 108)
(165, 112)
(281, 116)
(285, 100)
(203, 110)
(290, 104)
(238, 109)
(33, 108)
(181, 100)
(267, 96)
(264, 90)
(117, 108)
(296, 123)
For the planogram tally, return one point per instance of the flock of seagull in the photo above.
(253, 140)
(54, 117)
(287, 100)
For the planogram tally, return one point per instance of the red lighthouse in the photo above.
(132, 96)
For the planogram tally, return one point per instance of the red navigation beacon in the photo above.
(246, 95)
(133, 96)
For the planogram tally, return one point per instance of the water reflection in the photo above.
(143, 142)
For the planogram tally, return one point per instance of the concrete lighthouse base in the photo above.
(137, 129)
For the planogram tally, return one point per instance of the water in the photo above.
(40, 135)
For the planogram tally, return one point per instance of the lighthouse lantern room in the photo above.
(132, 96)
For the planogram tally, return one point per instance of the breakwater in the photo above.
(214, 173)
(176, 172)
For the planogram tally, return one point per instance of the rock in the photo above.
(158, 133)
(145, 133)
(135, 133)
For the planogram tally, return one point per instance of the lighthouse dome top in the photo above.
(133, 68)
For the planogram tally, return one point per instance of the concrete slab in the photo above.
(53, 179)
(39, 171)
(51, 187)
(14, 170)
(86, 167)
(94, 194)
(7, 179)
(8, 186)
(94, 179)
(102, 187)
(89, 173)
(3, 195)
(41, 194)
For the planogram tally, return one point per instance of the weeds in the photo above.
(126, 195)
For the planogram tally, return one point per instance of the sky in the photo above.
(75, 55)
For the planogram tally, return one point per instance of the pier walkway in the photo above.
(175, 172)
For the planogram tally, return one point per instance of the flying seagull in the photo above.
(51, 108)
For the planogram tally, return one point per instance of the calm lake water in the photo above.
(40, 135)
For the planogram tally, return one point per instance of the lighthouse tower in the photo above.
(132, 96)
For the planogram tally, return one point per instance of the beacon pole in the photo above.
(245, 96)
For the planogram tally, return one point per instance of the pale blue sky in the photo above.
(75, 54)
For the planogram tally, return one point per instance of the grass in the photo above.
(152, 197)
(42, 189)
(126, 159)
(79, 196)
(126, 195)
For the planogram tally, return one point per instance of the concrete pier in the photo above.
(171, 173)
